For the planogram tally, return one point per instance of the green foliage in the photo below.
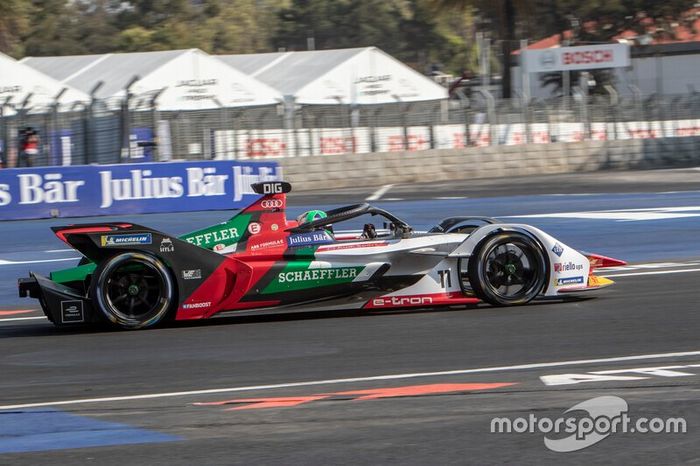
(423, 33)
(601, 20)
(411, 30)
(14, 23)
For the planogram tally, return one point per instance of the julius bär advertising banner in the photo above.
(78, 191)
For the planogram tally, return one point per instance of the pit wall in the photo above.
(375, 169)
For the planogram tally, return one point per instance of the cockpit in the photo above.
(392, 226)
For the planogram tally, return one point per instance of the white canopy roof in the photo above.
(191, 78)
(358, 76)
(18, 81)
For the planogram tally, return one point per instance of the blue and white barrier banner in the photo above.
(78, 191)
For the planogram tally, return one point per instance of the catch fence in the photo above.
(133, 129)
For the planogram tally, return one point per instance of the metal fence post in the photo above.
(373, 130)
(525, 113)
(89, 124)
(289, 123)
(491, 111)
(154, 122)
(355, 115)
(614, 101)
(54, 123)
(404, 124)
(126, 123)
(5, 134)
(22, 113)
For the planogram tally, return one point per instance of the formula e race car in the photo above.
(137, 277)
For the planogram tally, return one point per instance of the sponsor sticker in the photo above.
(352, 246)
(271, 204)
(570, 281)
(308, 239)
(72, 312)
(166, 245)
(196, 305)
(194, 274)
(558, 249)
(272, 188)
(274, 227)
(398, 301)
(268, 244)
(254, 228)
(126, 239)
(318, 274)
(216, 236)
(567, 266)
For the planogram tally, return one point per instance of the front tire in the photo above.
(133, 290)
(508, 269)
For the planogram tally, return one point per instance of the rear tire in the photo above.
(133, 290)
(508, 269)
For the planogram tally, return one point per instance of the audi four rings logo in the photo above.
(271, 204)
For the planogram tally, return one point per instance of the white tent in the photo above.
(191, 78)
(348, 76)
(19, 82)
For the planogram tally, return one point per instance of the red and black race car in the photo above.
(137, 277)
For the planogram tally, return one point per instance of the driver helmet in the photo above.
(311, 215)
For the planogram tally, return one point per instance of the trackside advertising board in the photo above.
(79, 191)
(587, 57)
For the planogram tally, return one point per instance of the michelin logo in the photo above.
(126, 239)
(570, 281)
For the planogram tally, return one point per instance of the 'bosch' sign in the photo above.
(577, 58)
(596, 56)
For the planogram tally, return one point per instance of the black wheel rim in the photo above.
(134, 289)
(512, 269)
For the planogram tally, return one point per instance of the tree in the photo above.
(408, 29)
(95, 30)
(305, 19)
(595, 21)
(592, 20)
(237, 26)
(603, 20)
(503, 14)
(52, 29)
(14, 23)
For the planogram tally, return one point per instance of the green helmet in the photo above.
(310, 216)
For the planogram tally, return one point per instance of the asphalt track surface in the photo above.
(419, 387)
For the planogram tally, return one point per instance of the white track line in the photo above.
(657, 272)
(13, 319)
(379, 192)
(210, 391)
(6, 262)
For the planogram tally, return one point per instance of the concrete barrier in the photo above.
(374, 169)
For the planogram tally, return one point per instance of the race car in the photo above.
(259, 260)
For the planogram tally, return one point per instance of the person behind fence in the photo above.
(28, 147)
